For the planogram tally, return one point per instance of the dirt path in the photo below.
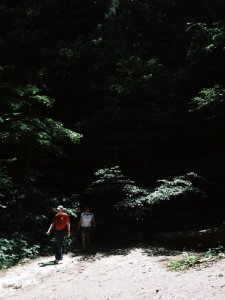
(136, 275)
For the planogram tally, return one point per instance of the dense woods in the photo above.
(117, 104)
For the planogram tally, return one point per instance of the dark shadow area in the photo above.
(98, 252)
(47, 264)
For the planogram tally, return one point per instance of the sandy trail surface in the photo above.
(134, 274)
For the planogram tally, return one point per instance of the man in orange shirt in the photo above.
(61, 222)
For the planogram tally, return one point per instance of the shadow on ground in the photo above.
(46, 264)
(97, 252)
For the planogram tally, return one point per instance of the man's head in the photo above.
(60, 208)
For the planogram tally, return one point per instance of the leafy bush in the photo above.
(209, 98)
(186, 261)
(206, 39)
(189, 260)
(132, 196)
(109, 185)
(215, 252)
(14, 250)
(132, 208)
(21, 120)
(136, 76)
(69, 202)
(178, 186)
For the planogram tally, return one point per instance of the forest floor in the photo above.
(124, 274)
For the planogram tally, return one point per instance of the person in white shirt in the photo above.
(85, 225)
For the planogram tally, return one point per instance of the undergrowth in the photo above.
(189, 260)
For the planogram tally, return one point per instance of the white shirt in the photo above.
(86, 220)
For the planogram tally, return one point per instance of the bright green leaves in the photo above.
(27, 90)
(49, 132)
(209, 97)
(16, 101)
(20, 108)
(15, 249)
(46, 133)
(20, 95)
(36, 141)
(43, 99)
(131, 196)
(179, 186)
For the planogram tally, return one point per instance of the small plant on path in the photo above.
(189, 260)
(217, 252)
(185, 262)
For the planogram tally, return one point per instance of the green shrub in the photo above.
(215, 252)
(14, 250)
(209, 98)
(185, 262)
(168, 188)
(188, 260)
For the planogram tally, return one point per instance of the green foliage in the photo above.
(206, 39)
(179, 186)
(16, 249)
(136, 77)
(185, 262)
(109, 176)
(19, 96)
(209, 98)
(137, 12)
(113, 8)
(70, 204)
(33, 140)
(6, 183)
(7, 188)
(109, 183)
(48, 134)
(175, 265)
(189, 260)
(129, 68)
(22, 121)
(34, 218)
(215, 252)
(129, 203)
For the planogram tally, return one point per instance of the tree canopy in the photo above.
(118, 104)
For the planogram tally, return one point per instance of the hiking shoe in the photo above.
(56, 262)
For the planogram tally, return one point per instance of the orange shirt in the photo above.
(60, 221)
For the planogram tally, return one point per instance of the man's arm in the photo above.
(68, 229)
(50, 228)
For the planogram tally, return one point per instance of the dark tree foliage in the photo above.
(142, 82)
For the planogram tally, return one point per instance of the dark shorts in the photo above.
(86, 230)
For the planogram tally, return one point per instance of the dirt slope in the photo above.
(134, 275)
